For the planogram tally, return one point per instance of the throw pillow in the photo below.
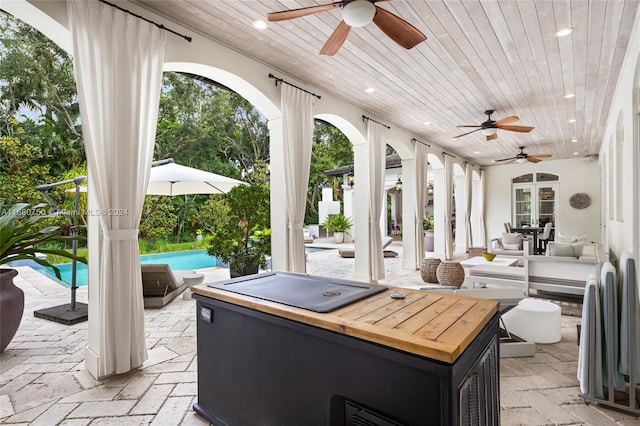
(561, 249)
(578, 248)
(562, 238)
(512, 240)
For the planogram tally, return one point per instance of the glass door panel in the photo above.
(547, 199)
(522, 206)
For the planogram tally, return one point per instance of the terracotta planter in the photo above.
(11, 307)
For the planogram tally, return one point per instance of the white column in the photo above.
(439, 198)
(460, 203)
(408, 208)
(361, 170)
(347, 206)
(278, 197)
(94, 245)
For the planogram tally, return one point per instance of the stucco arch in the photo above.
(345, 126)
(404, 150)
(435, 161)
(234, 82)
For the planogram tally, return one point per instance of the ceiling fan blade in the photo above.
(507, 159)
(304, 11)
(533, 159)
(507, 120)
(521, 129)
(491, 137)
(540, 155)
(397, 29)
(336, 40)
(467, 125)
(464, 134)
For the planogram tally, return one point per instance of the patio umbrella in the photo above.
(176, 179)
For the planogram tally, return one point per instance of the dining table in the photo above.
(533, 230)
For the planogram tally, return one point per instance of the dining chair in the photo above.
(543, 238)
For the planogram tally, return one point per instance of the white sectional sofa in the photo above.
(556, 274)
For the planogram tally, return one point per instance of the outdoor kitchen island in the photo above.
(397, 357)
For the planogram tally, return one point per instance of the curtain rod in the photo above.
(364, 117)
(279, 80)
(162, 27)
(423, 143)
(446, 153)
(469, 162)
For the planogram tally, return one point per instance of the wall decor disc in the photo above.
(580, 200)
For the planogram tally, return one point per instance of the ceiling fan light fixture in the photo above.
(490, 131)
(521, 160)
(358, 13)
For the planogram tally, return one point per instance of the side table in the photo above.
(428, 269)
(190, 280)
(450, 272)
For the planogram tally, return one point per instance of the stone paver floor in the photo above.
(43, 381)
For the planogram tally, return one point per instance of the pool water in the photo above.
(181, 260)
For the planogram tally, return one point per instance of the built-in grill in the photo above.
(302, 291)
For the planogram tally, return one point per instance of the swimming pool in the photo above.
(180, 260)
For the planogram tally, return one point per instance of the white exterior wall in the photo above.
(575, 175)
(622, 235)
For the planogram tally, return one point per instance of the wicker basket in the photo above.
(428, 269)
(476, 251)
(450, 272)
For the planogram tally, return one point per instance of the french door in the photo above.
(535, 204)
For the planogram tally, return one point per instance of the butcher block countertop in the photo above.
(435, 325)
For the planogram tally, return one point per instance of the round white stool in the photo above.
(534, 321)
(190, 280)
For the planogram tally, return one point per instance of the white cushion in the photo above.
(562, 238)
(565, 249)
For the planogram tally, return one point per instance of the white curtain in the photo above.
(448, 201)
(118, 63)
(297, 135)
(468, 199)
(481, 238)
(377, 150)
(420, 152)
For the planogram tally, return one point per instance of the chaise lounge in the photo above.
(160, 285)
(350, 252)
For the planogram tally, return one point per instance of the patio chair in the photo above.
(350, 252)
(160, 285)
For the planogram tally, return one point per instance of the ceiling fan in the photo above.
(490, 128)
(357, 13)
(523, 157)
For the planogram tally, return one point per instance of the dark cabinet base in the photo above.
(260, 369)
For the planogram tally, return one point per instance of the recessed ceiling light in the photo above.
(370, 89)
(428, 123)
(260, 24)
(570, 95)
(573, 120)
(574, 140)
(476, 152)
(576, 153)
(564, 32)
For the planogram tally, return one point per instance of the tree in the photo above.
(331, 149)
(38, 88)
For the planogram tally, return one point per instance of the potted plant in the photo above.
(241, 236)
(24, 229)
(338, 224)
(427, 225)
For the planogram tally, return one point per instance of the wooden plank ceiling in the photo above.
(479, 55)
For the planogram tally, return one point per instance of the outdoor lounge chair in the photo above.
(160, 285)
(350, 252)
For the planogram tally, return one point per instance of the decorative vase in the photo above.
(428, 241)
(338, 237)
(11, 307)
